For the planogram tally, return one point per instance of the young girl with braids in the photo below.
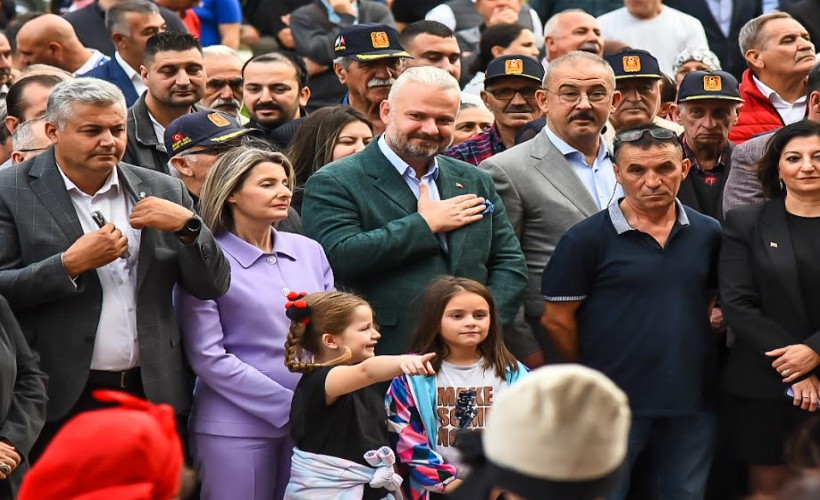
(458, 322)
(338, 419)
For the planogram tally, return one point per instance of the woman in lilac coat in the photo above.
(235, 344)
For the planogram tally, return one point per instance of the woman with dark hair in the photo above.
(326, 135)
(496, 41)
(770, 292)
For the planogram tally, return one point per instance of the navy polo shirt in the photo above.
(644, 320)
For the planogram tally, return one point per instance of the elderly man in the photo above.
(173, 70)
(780, 55)
(130, 25)
(510, 93)
(628, 293)
(223, 89)
(25, 101)
(29, 140)
(76, 224)
(275, 95)
(708, 103)
(50, 39)
(559, 178)
(570, 30)
(398, 214)
(638, 78)
(368, 61)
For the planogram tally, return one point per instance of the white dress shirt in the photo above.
(790, 112)
(96, 60)
(135, 77)
(115, 347)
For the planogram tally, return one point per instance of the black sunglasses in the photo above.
(218, 83)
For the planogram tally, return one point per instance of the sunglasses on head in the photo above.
(635, 135)
(218, 83)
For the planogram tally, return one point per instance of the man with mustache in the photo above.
(174, 72)
(510, 90)
(570, 30)
(780, 55)
(223, 89)
(638, 78)
(557, 179)
(5, 65)
(398, 214)
(368, 61)
(275, 95)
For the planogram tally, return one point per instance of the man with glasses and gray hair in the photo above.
(645, 272)
(29, 140)
(557, 179)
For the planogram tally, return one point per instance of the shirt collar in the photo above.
(401, 165)
(773, 96)
(129, 71)
(566, 150)
(621, 225)
(246, 254)
(112, 183)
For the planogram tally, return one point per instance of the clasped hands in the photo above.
(8, 458)
(99, 248)
(793, 362)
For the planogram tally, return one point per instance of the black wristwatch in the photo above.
(191, 228)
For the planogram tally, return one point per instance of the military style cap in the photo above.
(203, 128)
(633, 63)
(368, 42)
(699, 85)
(514, 65)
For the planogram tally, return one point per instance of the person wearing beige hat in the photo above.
(561, 433)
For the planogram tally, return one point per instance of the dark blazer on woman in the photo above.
(22, 393)
(761, 297)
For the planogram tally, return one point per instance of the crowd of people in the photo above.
(488, 249)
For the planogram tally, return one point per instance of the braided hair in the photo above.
(312, 316)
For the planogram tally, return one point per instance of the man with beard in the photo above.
(275, 94)
(638, 78)
(397, 214)
(510, 90)
(50, 39)
(173, 71)
(557, 179)
(368, 61)
(223, 90)
(570, 30)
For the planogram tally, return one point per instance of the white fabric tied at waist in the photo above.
(324, 477)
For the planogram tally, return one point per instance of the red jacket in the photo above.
(758, 114)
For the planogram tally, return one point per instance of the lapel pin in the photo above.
(459, 185)
(142, 195)
(773, 244)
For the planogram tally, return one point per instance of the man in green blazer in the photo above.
(398, 214)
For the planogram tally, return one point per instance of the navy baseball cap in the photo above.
(634, 63)
(203, 128)
(368, 42)
(699, 85)
(514, 65)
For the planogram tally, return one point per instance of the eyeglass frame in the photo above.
(210, 150)
(581, 95)
(515, 91)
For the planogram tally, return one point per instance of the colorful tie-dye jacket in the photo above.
(413, 431)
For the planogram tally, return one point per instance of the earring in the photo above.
(782, 185)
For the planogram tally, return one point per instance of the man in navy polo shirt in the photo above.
(628, 292)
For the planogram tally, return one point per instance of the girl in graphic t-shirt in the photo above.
(458, 322)
(337, 417)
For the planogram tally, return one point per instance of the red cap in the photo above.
(130, 452)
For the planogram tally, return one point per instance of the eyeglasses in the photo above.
(212, 151)
(662, 134)
(507, 93)
(218, 83)
(573, 97)
(31, 150)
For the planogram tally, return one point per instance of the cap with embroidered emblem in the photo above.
(699, 85)
(368, 42)
(633, 63)
(203, 128)
(514, 65)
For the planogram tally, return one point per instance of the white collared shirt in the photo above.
(96, 60)
(790, 112)
(159, 131)
(135, 77)
(722, 12)
(115, 346)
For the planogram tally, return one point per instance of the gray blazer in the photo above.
(38, 222)
(742, 187)
(543, 198)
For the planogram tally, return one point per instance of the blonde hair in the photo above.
(329, 312)
(227, 176)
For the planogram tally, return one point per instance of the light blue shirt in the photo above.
(599, 178)
(409, 175)
(770, 6)
(722, 12)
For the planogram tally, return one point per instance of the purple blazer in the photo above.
(236, 343)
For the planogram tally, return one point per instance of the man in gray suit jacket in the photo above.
(559, 178)
(91, 251)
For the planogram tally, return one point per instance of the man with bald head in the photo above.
(50, 39)
(572, 30)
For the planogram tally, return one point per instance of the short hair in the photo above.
(646, 140)
(669, 89)
(576, 57)
(4, 131)
(501, 35)
(768, 171)
(169, 41)
(424, 27)
(90, 91)
(15, 101)
(115, 15)
(813, 84)
(23, 135)
(428, 76)
(751, 33)
(552, 22)
(289, 58)
(220, 51)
